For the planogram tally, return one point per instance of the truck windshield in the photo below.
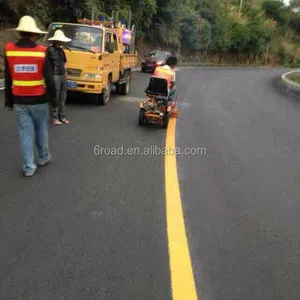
(84, 38)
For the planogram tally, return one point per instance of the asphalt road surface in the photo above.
(93, 227)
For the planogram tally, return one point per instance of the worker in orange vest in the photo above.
(168, 72)
(29, 86)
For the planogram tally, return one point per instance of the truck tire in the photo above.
(166, 119)
(124, 88)
(141, 119)
(105, 96)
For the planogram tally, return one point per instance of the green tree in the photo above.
(276, 9)
(190, 29)
(205, 35)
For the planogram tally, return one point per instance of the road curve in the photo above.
(241, 199)
(94, 226)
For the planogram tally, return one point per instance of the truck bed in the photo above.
(128, 61)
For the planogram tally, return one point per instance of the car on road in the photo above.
(153, 60)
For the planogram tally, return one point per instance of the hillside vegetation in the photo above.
(216, 31)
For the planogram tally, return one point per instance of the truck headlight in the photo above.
(91, 76)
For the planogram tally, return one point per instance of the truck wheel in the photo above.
(166, 120)
(141, 117)
(105, 96)
(125, 87)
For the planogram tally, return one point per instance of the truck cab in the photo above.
(95, 58)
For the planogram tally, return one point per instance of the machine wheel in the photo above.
(166, 120)
(105, 96)
(141, 117)
(124, 88)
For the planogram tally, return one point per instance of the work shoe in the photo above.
(45, 162)
(64, 121)
(56, 122)
(29, 173)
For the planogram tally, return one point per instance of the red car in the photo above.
(155, 59)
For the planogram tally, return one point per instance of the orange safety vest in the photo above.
(26, 68)
(164, 73)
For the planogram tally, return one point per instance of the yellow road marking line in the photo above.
(182, 278)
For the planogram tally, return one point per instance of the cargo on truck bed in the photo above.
(100, 55)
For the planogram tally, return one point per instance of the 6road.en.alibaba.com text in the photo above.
(152, 150)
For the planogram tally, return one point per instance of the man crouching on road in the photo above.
(58, 61)
(26, 73)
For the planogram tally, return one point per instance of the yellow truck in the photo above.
(100, 55)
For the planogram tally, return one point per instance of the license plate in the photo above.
(72, 85)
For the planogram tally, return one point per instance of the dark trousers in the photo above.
(58, 109)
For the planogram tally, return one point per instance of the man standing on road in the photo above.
(58, 60)
(26, 74)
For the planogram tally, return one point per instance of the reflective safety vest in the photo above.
(164, 73)
(26, 67)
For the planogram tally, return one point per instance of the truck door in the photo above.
(108, 58)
